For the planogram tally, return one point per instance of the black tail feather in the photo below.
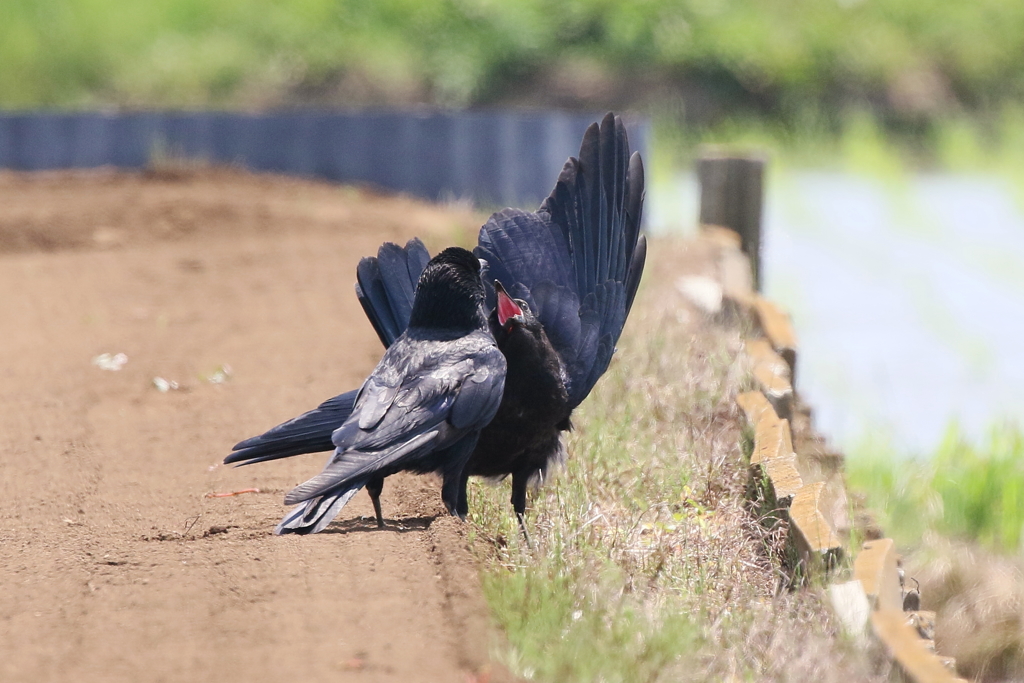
(636, 269)
(310, 517)
(386, 286)
(307, 433)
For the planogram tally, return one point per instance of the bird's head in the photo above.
(450, 293)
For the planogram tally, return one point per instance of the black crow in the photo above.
(570, 272)
(423, 406)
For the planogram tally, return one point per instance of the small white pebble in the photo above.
(220, 375)
(106, 361)
(164, 385)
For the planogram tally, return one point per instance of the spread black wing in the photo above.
(577, 261)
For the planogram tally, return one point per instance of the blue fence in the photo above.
(491, 158)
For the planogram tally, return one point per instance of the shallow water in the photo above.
(907, 296)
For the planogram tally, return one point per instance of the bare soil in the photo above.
(114, 563)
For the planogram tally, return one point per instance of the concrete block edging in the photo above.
(872, 602)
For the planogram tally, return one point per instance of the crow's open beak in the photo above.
(508, 309)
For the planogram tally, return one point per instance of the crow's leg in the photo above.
(463, 507)
(454, 474)
(453, 491)
(374, 488)
(519, 482)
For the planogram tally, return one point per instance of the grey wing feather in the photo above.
(375, 399)
(414, 411)
(480, 395)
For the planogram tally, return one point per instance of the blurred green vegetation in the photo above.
(784, 59)
(967, 491)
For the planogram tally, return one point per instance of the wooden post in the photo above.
(731, 195)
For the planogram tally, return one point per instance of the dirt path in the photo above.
(114, 566)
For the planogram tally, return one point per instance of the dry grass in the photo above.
(647, 563)
(958, 518)
(978, 597)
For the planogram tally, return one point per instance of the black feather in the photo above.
(386, 286)
(307, 433)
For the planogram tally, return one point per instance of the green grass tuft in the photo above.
(563, 634)
(969, 491)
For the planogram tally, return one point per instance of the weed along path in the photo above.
(235, 291)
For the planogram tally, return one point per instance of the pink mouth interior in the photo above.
(506, 308)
